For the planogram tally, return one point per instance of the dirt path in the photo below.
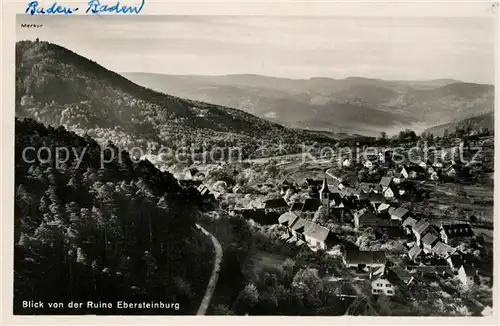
(215, 273)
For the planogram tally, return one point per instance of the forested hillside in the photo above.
(58, 87)
(124, 231)
(352, 105)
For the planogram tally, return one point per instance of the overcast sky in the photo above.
(294, 47)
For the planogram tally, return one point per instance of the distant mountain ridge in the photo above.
(59, 87)
(351, 105)
(483, 121)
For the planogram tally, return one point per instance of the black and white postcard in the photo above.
(294, 159)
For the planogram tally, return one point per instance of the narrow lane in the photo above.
(215, 273)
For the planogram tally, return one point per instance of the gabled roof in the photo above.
(336, 197)
(311, 205)
(442, 249)
(317, 232)
(398, 274)
(355, 256)
(400, 212)
(287, 218)
(385, 181)
(409, 222)
(470, 270)
(300, 225)
(275, 203)
(382, 207)
(429, 239)
(366, 217)
(458, 230)
(421, 226)
(414, 252)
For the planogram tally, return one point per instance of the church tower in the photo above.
(324, 194)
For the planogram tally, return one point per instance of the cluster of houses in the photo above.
(375, 206)
(195, 180)
(431, 248)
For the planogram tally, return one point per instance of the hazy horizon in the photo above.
(298, 47)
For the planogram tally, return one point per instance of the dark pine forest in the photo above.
(124, 231)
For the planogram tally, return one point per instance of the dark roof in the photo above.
(366, 217)
(416, 168)
(400, 212)
(363, 195)
(311, 205)
(337, 211)
(259, 215)
(190, 183)
(470, 270)
(458, 230)
(336, 197)
(397, 274)
(367, 187)
(275, 203)
(391, 231)
(297, 206)
(193, 171)
(456, 260)
(314, 183)
(437, 262)
(287, 218)
(354, 256)
(376, 198)
(385, 181)
(429, 239)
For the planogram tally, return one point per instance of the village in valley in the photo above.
(404, 231)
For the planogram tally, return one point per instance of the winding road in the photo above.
(215, 273)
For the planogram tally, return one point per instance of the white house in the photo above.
(368, 164)
(382, 285)
(404, 173)
(466, 275)
(346, 163)
(388, 193)
(487, 311)
(434, 176)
